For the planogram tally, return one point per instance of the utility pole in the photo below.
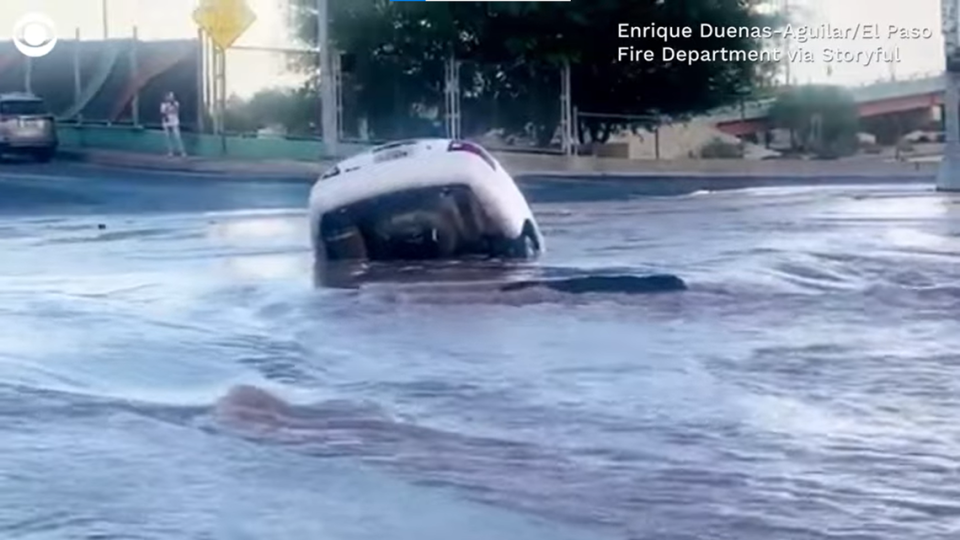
(328, 96)
(788, 64)
(948, 178)
(106, 23)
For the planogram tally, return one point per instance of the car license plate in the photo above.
(391, 155)
(35, 124)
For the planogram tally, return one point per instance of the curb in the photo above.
(707, 179)
(180, 166)
(715, 179)
(70, 155)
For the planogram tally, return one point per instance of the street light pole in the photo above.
(106, 24)
(328, 96)
(787, 63)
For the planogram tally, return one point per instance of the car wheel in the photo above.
(524, 246)
(44, 156)
(531, 243)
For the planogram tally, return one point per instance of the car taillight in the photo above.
(464, 146)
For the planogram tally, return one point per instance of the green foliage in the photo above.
(822, 118)
(296, 110)
(720, 149)
(513, 53)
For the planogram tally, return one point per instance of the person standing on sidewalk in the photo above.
(170, 118)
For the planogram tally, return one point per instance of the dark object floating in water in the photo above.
(625, 284)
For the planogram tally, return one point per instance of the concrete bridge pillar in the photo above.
(948, 178)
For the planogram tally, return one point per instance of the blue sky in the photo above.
(165, 19)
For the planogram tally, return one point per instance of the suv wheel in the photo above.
(45, 155)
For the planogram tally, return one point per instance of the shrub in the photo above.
(720, 149)
(824, 118)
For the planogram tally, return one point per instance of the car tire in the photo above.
(524, 246)
(44, 156)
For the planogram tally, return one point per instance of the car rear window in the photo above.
(24, 107)
(394, 145)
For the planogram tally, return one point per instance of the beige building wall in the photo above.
(681, 140)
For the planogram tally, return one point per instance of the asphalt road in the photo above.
(803, 388)
(70, 188)
(75, 187)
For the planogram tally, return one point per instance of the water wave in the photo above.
(802, 386)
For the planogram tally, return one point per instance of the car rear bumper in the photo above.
(28, 145)
(434, 222)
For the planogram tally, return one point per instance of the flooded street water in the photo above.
(806, 386)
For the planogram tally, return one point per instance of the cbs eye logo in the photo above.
(35, 35)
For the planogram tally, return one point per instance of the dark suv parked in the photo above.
(26, 127)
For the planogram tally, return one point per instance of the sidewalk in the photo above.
(540, 166)
(135, 160)
(862, 167)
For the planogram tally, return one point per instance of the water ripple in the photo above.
(803, 386)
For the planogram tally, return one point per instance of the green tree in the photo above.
(822, 119)
(297, 110)
(515, 52)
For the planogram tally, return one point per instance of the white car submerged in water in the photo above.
(424, 199)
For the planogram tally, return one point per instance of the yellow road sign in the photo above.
(224, 20)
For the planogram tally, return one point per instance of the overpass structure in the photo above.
(876, 99)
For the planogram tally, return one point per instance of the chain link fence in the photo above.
(392, 98)
(269, 92)
(274, 92)
(503, 106)
(511, 105)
